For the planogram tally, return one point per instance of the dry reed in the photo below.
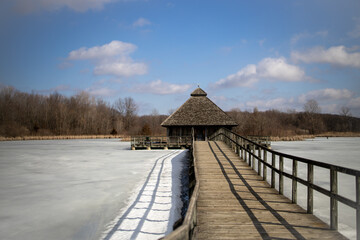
(63, 137)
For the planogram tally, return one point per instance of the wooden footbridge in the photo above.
(233, 200)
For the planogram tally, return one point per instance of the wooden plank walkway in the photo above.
(235, 203)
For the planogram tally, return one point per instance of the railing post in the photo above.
(272, 170)
(357, 179)
(250, 149)
(237, 145)
(310, 196)
(333, 201)
(245, 152)
(259, 162)
(264, 166)
(281, 177)
(294, 182)
(242, 149)
(253, 157)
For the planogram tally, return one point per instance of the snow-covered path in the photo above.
(155, 208)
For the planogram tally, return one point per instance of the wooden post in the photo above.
(259, 162)
(250, 149)
(253, 158)
(245, 152)
(272, 170)
(333, 201)
(357, 179)
(236, 145)
(281, 176)
(310, 196)
(240, 149)
(294, 183)
(264, 166)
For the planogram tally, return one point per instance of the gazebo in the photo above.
(198, 115)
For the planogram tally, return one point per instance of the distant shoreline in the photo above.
(64, 137)
(126, 138)
(304, 137)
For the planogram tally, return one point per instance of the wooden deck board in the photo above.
(235, 203)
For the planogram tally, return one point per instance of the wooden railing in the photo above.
(246, 149)
(186, 230)
(160, 141)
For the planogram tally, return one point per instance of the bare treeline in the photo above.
(25, 114)
(291, 123)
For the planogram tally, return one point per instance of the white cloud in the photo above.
(27, 6)
(279, 69)
(326, 94)
(274, 69)
(114, 48)
(141, 22)
(305, 35)
(337, 55)
(161, 88)
(111, 59)
(246, 77)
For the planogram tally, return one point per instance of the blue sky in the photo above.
(244, 54)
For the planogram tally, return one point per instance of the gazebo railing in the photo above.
(160, 141)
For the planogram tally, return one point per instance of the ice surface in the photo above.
(72, 189)
(337, 151)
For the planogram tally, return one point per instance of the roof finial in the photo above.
(198, 85)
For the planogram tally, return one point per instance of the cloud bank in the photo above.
(326, 94)
(337, 55)
(111, 59)
(273, 69)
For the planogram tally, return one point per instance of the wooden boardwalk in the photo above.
(235, 203)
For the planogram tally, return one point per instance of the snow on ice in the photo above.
(73, 189)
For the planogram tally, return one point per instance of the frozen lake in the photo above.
(337, 151)
(76, 189)
(89, 189)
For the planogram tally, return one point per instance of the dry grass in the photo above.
(292, 138)
(339, 134)
(122, 137)
(304, 137)
(127, 138)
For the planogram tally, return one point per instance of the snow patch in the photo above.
(155, 205)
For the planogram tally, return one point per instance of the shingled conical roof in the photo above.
(199, 110)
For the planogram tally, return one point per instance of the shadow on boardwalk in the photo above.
(235, 203)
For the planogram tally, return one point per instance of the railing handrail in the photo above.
(300, 159)
(248, 146)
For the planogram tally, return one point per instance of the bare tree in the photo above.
(130, 112)
(127, 110)
(314, 121)
(312, 106)
(119, 106)
(345, 111)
